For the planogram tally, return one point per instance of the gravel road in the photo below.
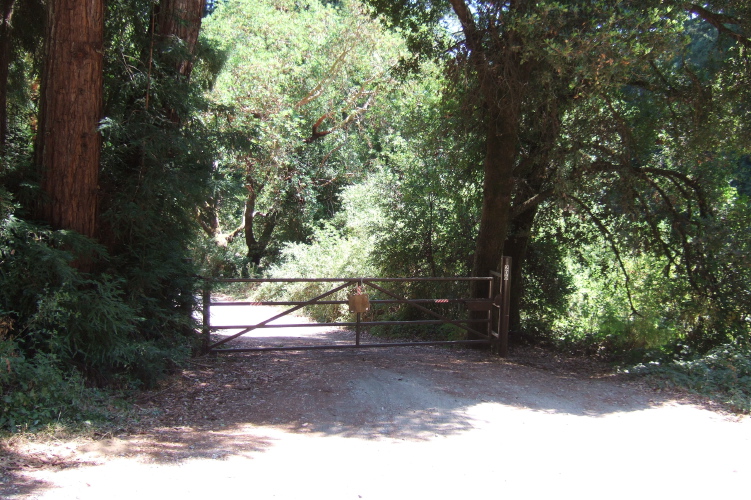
(404, 423)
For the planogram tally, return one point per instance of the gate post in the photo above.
(491, 288)
(205, 306)
(357, 329)
(503, 320)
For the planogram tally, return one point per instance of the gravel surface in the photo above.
(402, 423)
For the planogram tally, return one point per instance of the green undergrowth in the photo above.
(37, 392)
(723, 374)
(69, 340)
(445, 332)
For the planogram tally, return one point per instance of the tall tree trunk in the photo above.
(516, 247)
(68, 143)
(181, 19)
(498, 185)
(503, 77)
(6, 11)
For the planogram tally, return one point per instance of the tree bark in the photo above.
(68, 143)
(257, 246)
(516, 247)
(181, 19)
(498, 185)
(6, 11)
(502, 76)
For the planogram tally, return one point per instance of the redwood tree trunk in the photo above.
(6, 11)
(181, 19)
(68, 143)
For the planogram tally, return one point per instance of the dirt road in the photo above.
(408, 423)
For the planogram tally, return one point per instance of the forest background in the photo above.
(604, 145)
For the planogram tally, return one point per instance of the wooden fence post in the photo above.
(503, 321)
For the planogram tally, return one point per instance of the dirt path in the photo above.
(408, 423)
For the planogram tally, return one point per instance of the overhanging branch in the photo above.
(532, 202)
(611, 240)
(721, 22)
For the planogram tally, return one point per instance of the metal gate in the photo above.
(487, 324)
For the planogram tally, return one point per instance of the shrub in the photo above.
(79, 319)
(330, 255)
(60, 327)
(723, 373)
(35, 391)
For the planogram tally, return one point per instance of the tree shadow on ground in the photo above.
(238, 404)
(159, 446)
(14, 460)
(405, 393)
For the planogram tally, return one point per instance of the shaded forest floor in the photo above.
(415, 422)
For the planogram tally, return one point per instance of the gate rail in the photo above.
(486, 323)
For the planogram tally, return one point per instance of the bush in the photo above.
(547, 283)
(79, 319)
(330, 255)
(35, 391)
(723, 373)
(60, 327)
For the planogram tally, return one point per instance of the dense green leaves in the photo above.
(303, 85)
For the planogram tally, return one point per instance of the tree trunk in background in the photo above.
(6, 11)
(257, 246)
(68, 143)
(498, 184)
(181, 19)
(516, 248)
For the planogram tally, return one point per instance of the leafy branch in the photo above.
(613, 245)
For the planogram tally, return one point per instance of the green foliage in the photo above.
(547, 285)
(81, 321)
(724, 373)
(420, 23)
(310, 128)
(224, 260)
(129, 321)
(667, 311)
(663, 261)
(329, 255)
(58, 326)
(334, 252)
(427, 186)
(306, 87)
(36, 391)
(157, 166)
(627, 120)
